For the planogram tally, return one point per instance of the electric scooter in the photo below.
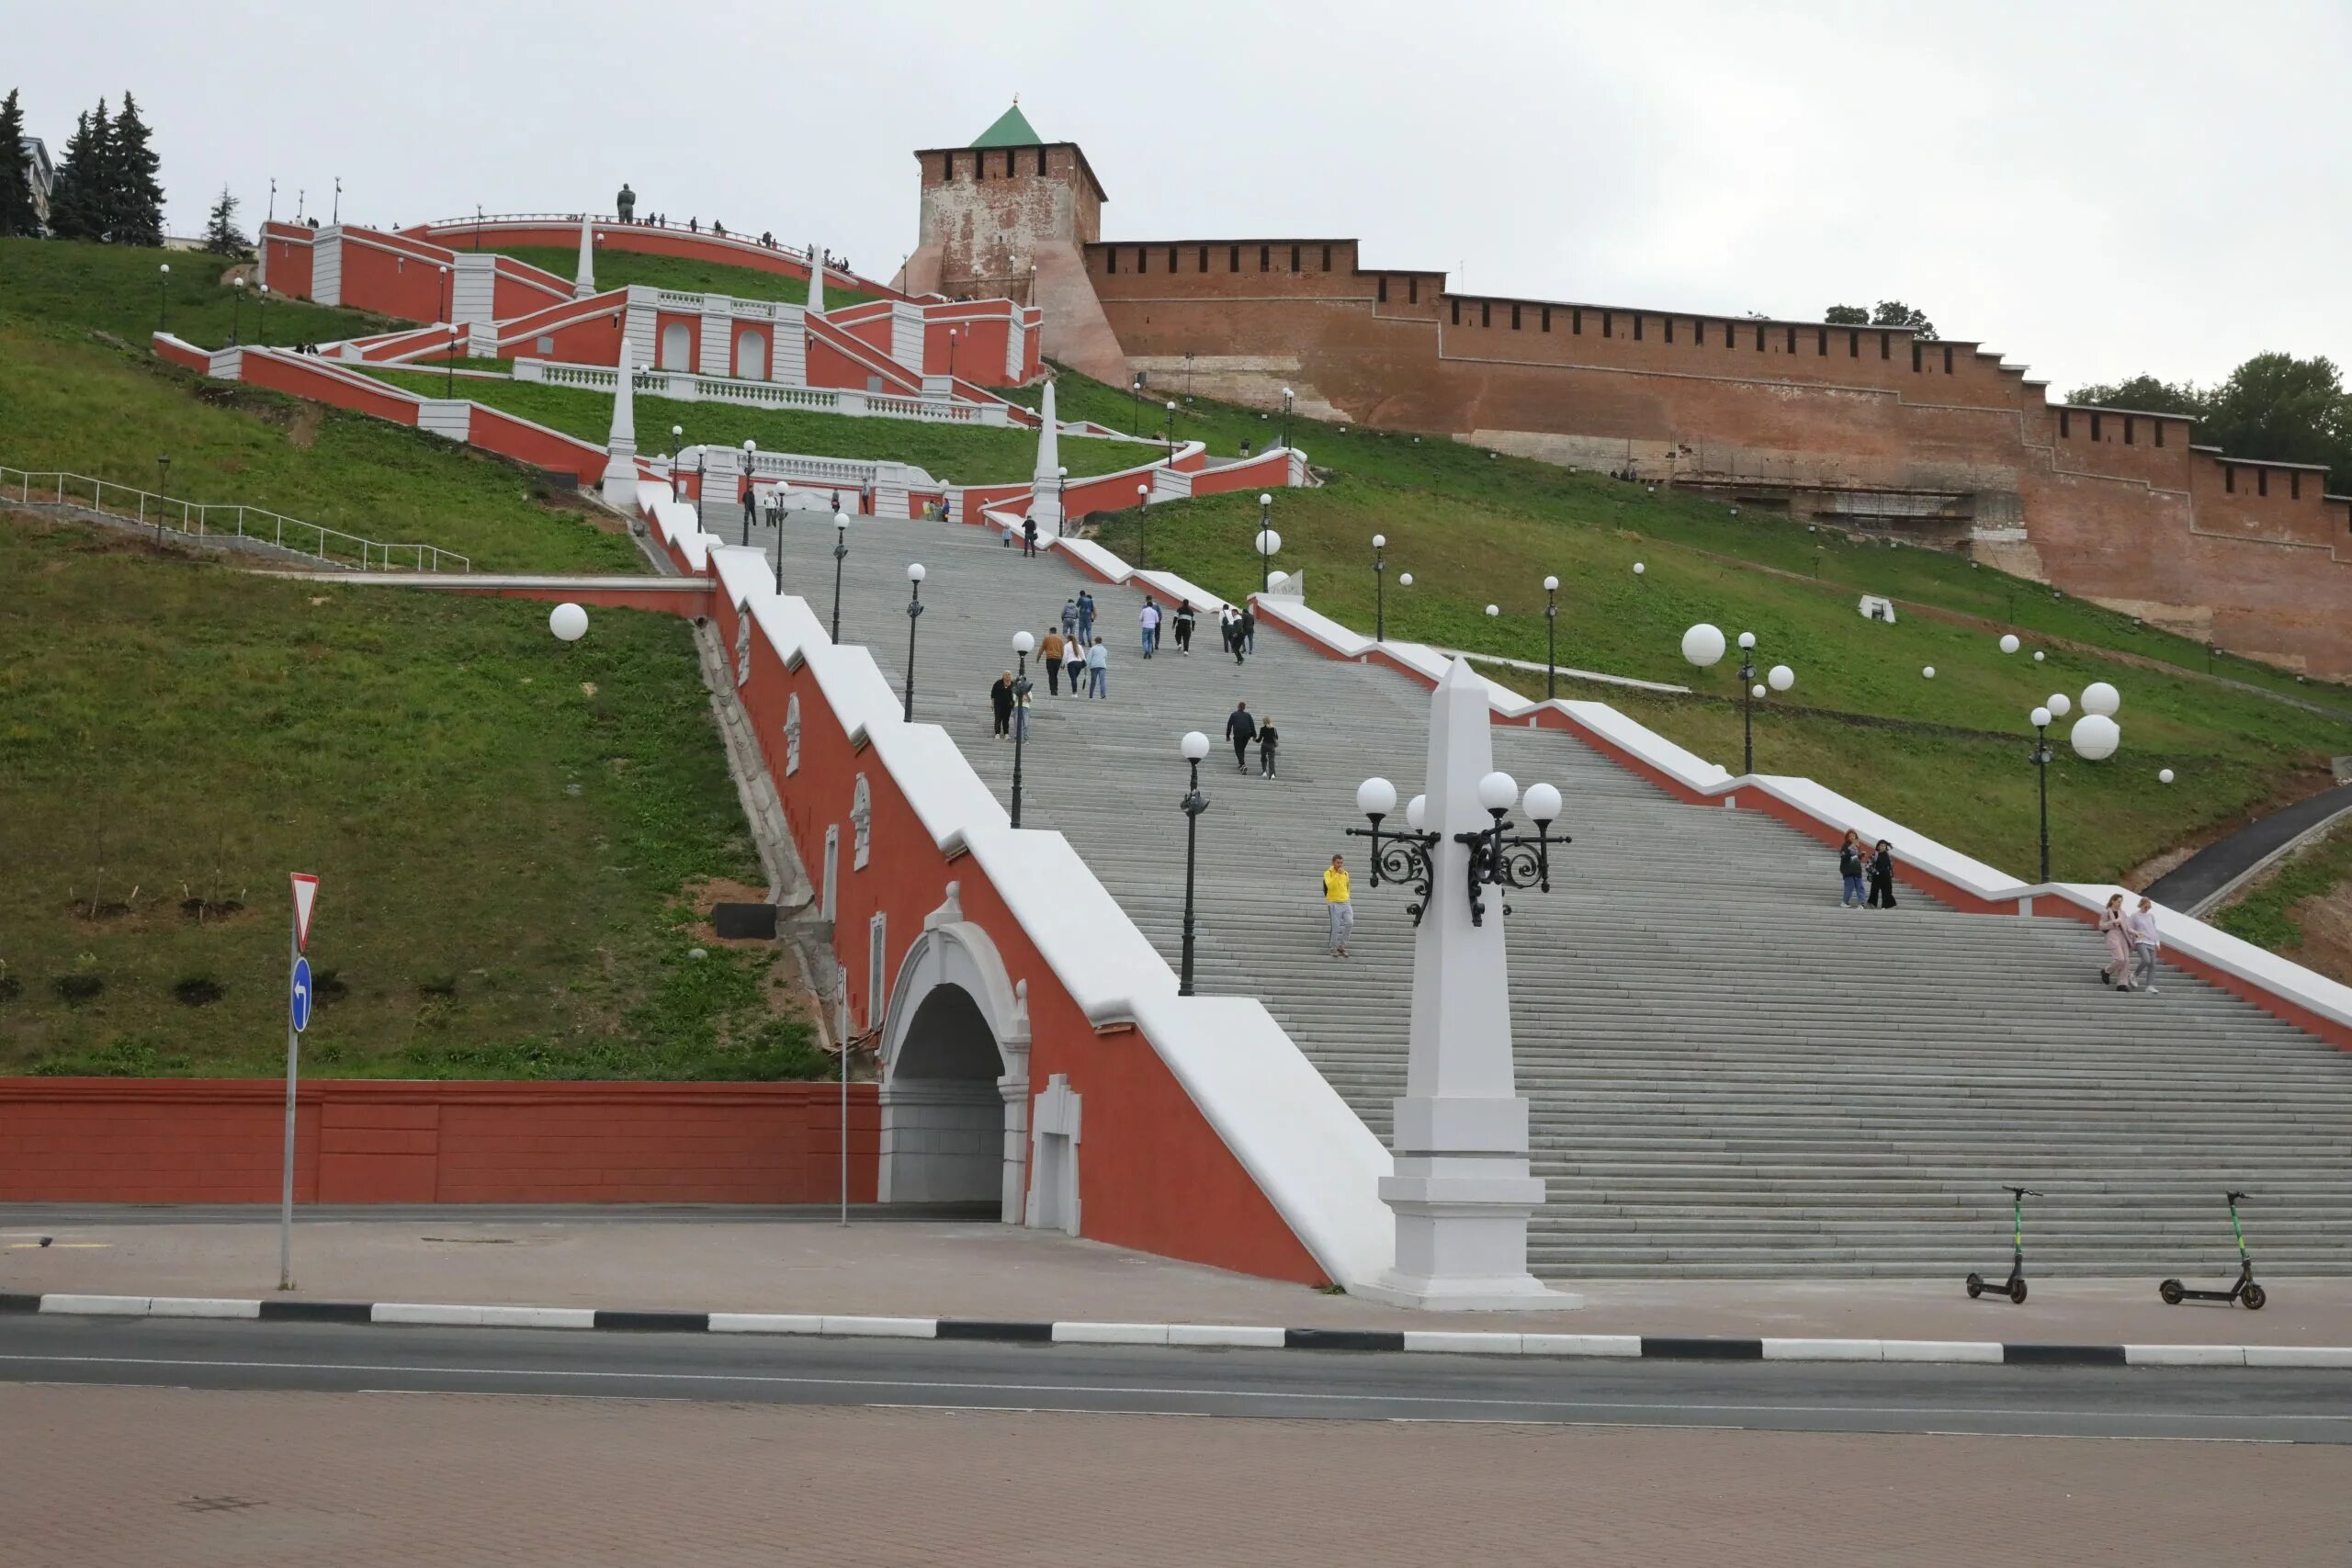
(2015, 1288)
(2243, 1289)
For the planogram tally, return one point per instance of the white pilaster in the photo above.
(1462, 1190)
(816, 281)
(620, 446)
(1045, 482)
(583, 278)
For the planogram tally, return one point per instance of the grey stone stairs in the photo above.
(1730, 1075)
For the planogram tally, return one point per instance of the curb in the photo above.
(1623, 1346)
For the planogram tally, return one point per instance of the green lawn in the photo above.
(505, 828)
(684, 274)
(2275, 912)
(956, 454)
(116, 288)
(71, 401)
(2230, 748)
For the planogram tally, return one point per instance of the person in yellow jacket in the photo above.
(1050, 651)
(1335, 899)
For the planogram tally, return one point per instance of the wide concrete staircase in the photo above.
(1731, 1076)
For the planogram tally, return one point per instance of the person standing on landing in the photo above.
(1028, 536)
(2146, 943)
(1097, 668)
(1050, 651)
(1849, 870)
(1881, 877)
(1242, 729)
(2113, 927)
(1335, 900)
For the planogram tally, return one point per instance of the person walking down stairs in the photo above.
(1267, 740)
(2114, 925)
(1850, 870)
(1335, 901)
(1001, 700)
(1098, 670)
(1242, 729)
(1051, 651)
(2141, 925)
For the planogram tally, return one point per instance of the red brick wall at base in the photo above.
(220, 1141)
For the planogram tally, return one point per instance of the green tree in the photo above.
(1895, 313)
(1847, 316)
(135, 199)
(2285, 409)
(222, 235)
(2146, 394)
(77, 195)
(19, 217)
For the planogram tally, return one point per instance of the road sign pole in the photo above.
(286, 1188)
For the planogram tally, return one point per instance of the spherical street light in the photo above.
(1639, 569)
(1746, 639)
(1379, 541)
(914, 617)
(2164, 775)
(1542, 803)
(2039, 718)
(1416, 810)
(2037, 656)
(1494, 610)
(2098, 697)
(1375, 797)
(1928, 673)
(1496, 791)
(1781, 677)
(1703, 645)
(2061, 704)
(1551, 585)
(1023, 643)
(915, 572)
(569, 622)
(1757, 690)
(1196, 745)
(2008, 642)
(2094, 737)
(1404, 579)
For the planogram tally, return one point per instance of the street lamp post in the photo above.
(751, 450)
(261, 315)
(1171, 432)
(1061, 499)
(162, 478)
(1380, 588)
(449, 314)
(951, 358)
(1747, 702)
(1499, 858)
(914, 614)
(1286, 403)
(236, 311)
(1021, 645)
(1143, 514)
(1551, 637)
(2042, 757)
(1196, 746)
(1134, 391)
(677, 436)
(1703, 645)
(841, 553)
(702, 465)
(162, 296)
(1268, 541)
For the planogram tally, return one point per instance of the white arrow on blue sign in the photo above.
(298, 999)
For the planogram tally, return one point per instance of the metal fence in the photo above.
(328, 546)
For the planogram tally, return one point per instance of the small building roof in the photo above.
(1012, 130)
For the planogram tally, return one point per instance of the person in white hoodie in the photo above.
(2140, 925)
(1098, 670)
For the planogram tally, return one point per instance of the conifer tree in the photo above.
(222, 235)
(18, 214)
(76, 198)
(135, 200)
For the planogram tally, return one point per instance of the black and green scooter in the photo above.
(2243, 1289)
(2015, 1288)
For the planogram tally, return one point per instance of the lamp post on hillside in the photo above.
(1134, 390)
(1268, 541)
(702, 464)
(1062, 500)
(841, 553)
(449, 314)
(1171, 432)
(1380, 588)
(236, 308)
(1195, 745)
(1551, 637)
(914, 614)
(1286, 403)
(2094, 737)
(751, 450)
(1021, 645)
(162, 296)
(477, 225)
(677, 434)
(951, 357)
(2042, 757)
(1143, 512)
(1703, 645)
(162, 477)
(261, 315)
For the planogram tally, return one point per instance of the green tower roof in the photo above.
(1012, 130)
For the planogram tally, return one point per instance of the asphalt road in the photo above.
(2213, 1404)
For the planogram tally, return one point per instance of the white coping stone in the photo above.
(885, 1327)
(436, 1313)
(537, 1317)
(1823, 1350)
(1109, 1334)
(202, 1306)
(1984, 1350)
(2184, 1355)
(97, 1306)
(1466, 1344)
(1230, 1334)
(1580, 1344)
(2298, 1355)
(765, 1323)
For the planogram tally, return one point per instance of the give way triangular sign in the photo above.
(306, 892)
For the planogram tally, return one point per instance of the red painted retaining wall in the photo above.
(220, 1141)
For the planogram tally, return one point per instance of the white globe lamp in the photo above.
(1196, 745)
(2094, 737)
(567, 621)
(2164, 775)
(1542, 803)
(1781, 677)
(2061, 704)
(1703, 645)
(1928, 673)
(2039, 718)
(1496, 791)
(2098, 697)
(1375, 797)
(1415, 810)
(2008, 642)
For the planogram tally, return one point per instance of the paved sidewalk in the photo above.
(923, 1269)
(135, 1476)
(2205, 875)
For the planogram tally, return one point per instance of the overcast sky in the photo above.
(2091, 189)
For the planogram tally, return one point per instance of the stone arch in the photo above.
(955, 1053)
(677, 347)
(751, 356)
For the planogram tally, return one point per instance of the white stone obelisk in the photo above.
(583, 276)
(620, 446)
(1045, 485)
(1462, 1190)
(816, 281)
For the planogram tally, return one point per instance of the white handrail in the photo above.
(195, 519)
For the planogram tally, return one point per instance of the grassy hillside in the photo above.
(117, 290)
(505, 826)
(962, 454)
(1945, 755)
(685, 274)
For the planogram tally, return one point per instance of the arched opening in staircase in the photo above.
(751, 357)
(677, 347)
(954, 1091)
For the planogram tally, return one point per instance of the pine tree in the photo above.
(135, 201)
(18, 214)
(222, 235)
(76, 198)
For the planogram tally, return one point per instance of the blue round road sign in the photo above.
(299, 998)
